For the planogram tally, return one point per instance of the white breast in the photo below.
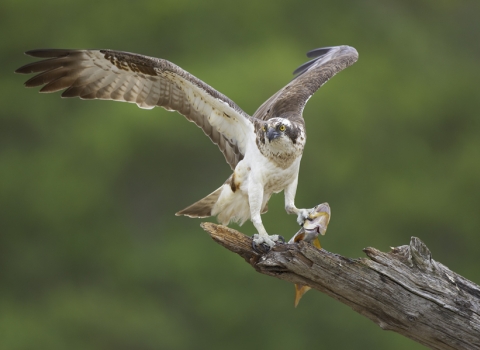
(260, 169)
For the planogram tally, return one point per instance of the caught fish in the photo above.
(316, 223)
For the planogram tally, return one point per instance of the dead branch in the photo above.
(404, 290)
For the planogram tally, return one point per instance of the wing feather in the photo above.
(310, 76)
(58, 84)
(148, 82)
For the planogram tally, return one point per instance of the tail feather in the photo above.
(202, 208)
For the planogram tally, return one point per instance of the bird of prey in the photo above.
(263, 150)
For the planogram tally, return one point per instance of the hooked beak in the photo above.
(272, 134)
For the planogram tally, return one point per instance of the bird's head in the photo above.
(277, 131)
(280, 138)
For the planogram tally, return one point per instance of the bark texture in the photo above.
(404, 290)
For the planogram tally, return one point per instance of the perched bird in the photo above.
(316, 223)
(263, 150)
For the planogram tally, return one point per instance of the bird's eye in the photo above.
(282, 128)
(264, 128)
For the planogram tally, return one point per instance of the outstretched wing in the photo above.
(148, 82)
(290, 101)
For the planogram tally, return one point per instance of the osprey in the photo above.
(263, 150)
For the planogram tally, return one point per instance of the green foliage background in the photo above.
(91, 254)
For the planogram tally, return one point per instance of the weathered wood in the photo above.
(404, 290)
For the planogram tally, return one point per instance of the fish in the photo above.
(316, 223)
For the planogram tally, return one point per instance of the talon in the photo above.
(303, 215)
(261, 248)
(264, 243)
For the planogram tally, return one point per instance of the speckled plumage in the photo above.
(263, 150)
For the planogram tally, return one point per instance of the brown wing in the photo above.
(146, 81)
(290, 101)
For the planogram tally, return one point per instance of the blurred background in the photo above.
(91, 253)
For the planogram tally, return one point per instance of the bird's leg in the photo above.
(302, 214)
(262, 241)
